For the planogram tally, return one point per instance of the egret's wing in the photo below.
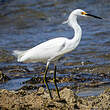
(55, 45)
(44, 50)
(50, 47)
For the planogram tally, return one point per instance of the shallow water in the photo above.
(25, 23)
(13, 84)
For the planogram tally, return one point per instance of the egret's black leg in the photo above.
(54, 80)
(45, 80)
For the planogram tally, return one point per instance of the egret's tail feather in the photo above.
(18, 54)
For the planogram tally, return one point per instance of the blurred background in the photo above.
(26, 23)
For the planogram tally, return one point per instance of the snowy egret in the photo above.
(52, 50)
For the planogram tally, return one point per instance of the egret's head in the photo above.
(79, 12)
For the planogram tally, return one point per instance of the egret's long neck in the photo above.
(77, 30)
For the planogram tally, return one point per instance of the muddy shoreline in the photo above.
(40, 100)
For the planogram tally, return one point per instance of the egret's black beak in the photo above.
(93, 16)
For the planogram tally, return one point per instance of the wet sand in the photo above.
(40, 100)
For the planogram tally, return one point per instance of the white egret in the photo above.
(52, 50)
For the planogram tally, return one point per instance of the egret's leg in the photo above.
(54, 80)
(45, 79)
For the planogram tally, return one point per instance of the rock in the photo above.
(3, 77)
(40, 90)
(68, 95)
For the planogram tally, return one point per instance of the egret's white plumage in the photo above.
(53, 49)
(49, 50)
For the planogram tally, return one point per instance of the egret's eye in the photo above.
(83, 13)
